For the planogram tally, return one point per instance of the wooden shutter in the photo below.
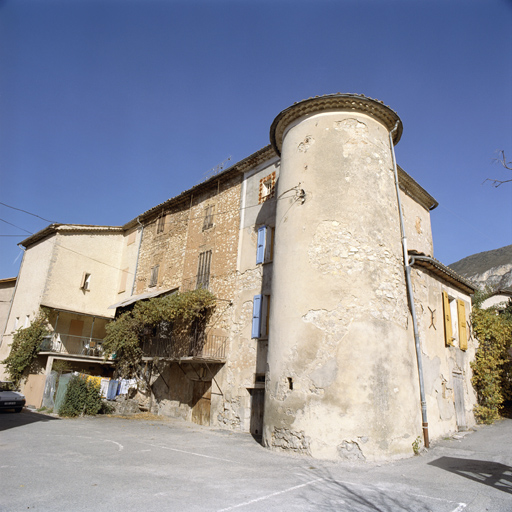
(260, 250)
(256, 316)
(463, 331)
(447, 320)
(154, 275)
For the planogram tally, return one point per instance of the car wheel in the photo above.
(18, 409)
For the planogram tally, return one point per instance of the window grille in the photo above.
(203, 270)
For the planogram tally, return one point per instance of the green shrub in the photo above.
(492, 368)
(82, 398)
(25, 347)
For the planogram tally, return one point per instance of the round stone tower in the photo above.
(341, 378)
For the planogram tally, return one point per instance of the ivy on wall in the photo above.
(184, 312)
(25, 347)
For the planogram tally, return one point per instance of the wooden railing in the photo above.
(201, 347)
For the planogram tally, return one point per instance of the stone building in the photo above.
(336, 333)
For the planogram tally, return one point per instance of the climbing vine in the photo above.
(492, 367)
(179, 312)
(25, 346)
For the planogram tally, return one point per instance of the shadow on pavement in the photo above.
(12, 419)
(337, 495)
(493, 474)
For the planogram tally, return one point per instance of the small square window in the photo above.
(86, 281)
(267, 188)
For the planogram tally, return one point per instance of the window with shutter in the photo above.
(208, 217)
(262, 239)
(260, 316)
(203, 270)
(447, 320)
(463, 331)
(256, 316)
(161, 224)
(154, 276)
(265, 244)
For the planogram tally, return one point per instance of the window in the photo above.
(27, 321)
(208, 217)
(267, 187)
(455, 328)
(203, 270)
(86, 281)
(265, 244)
(153, 280)
(16, 323)
(161, 224)
(260, 316)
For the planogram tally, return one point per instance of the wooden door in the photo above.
(257, 405)
(458, 395)
(201, 402)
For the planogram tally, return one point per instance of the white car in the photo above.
(9, 398)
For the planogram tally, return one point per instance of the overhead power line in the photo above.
(25, 211)
(11, 224)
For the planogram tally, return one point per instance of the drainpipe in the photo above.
(410, 294)
(138, 252)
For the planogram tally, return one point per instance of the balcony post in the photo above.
(49, 365)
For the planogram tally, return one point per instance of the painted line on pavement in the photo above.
(269, 495)
(191, 453)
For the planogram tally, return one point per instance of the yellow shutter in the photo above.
(447, 320)
(463, 331)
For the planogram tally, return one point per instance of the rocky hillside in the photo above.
(490, 268)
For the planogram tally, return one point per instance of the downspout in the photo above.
(138, 253)
(410, 294)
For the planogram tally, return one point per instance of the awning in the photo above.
(142, 296)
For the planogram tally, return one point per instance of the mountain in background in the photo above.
(489, 268)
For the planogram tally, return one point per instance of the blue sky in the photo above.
(110, 107)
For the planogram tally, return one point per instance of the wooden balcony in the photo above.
(209, 348)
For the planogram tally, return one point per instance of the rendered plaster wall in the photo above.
(440, 362)
(341, 382)
(127, 263)
(7, 287)
(247, 355)
(417, 225)
(98, 254)
(31, 283)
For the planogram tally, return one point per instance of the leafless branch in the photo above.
(508, 165)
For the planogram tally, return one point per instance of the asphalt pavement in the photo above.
(113, 464)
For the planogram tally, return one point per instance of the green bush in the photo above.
(492, 368)
(82, 398)
(25, 347)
